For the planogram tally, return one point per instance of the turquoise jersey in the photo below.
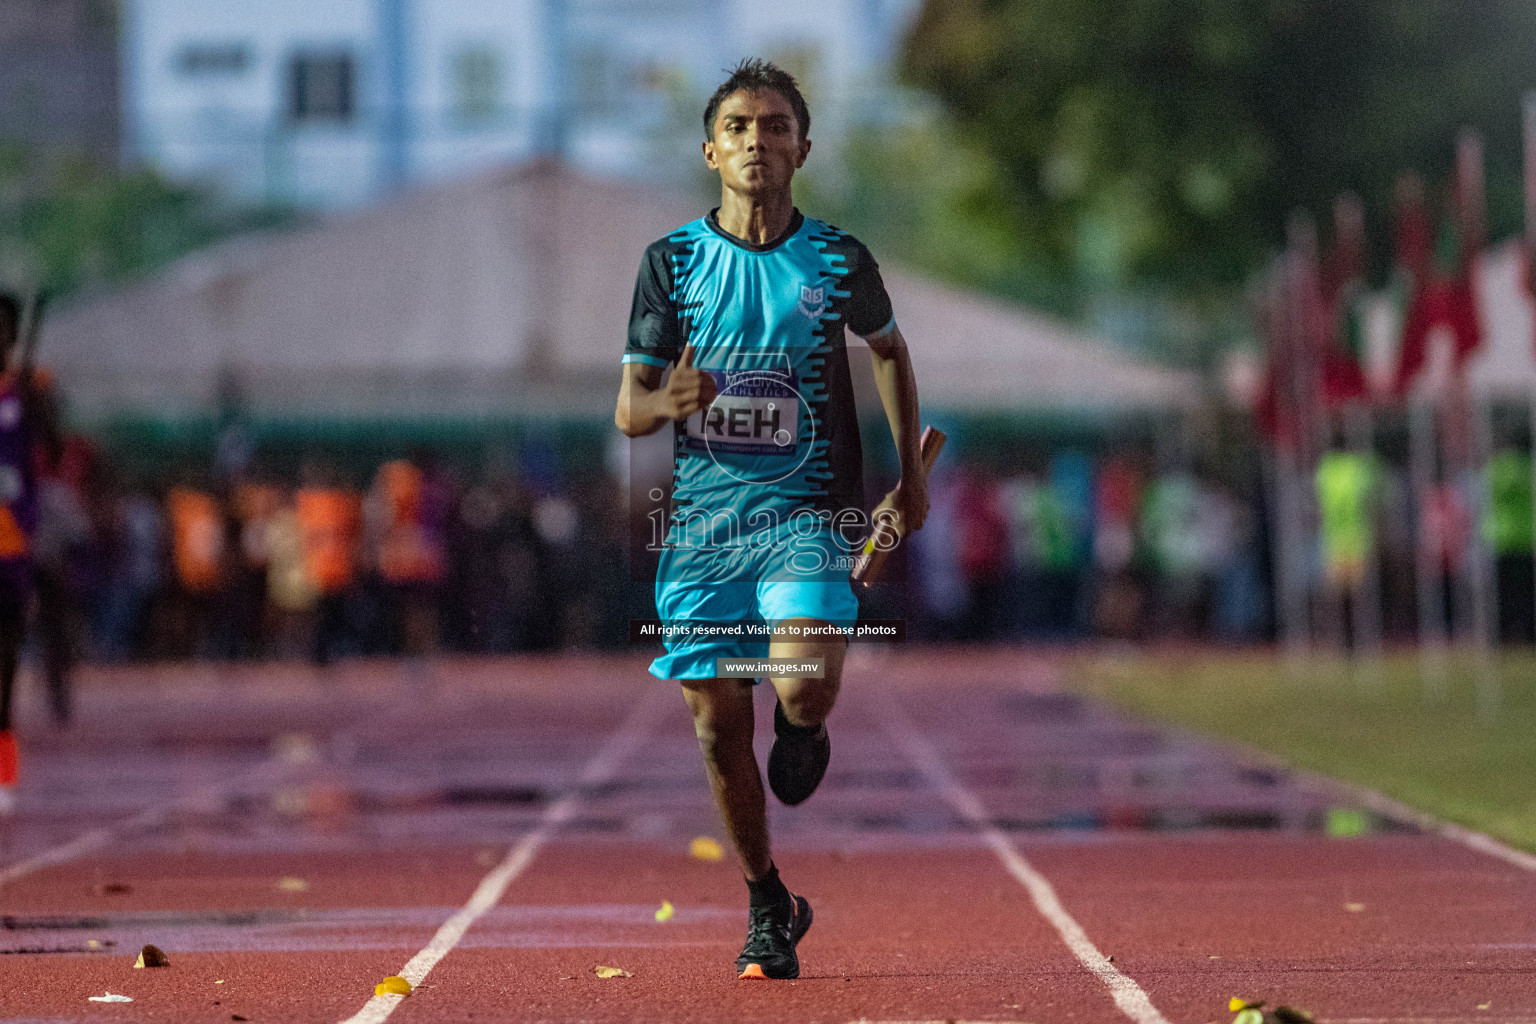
(780, 444)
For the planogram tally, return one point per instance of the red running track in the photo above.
(983, 845)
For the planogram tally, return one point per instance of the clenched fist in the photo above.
(688, 390)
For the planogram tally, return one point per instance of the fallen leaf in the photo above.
(152, 956)
(93, 943)
(288, 883)
(394, 985)
(1483, 1006)
(110, 998)
(219, 982)
(611, 972)
(705, 848)
(1236, 1003)
(1354, 908)
(665, 913)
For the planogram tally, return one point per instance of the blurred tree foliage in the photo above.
(918, 192)
(1164, 142)
(69, 224)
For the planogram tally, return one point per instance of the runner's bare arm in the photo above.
(645, 404)
(898, 393)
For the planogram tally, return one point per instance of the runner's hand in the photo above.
(910, 500)
(688, 390)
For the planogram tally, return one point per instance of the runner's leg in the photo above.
(722, 720)
(807, 702)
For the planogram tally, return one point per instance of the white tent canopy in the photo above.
(502, 295)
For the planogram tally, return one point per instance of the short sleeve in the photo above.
(868, 311)
(655, 331)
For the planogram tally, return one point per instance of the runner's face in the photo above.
(757, 145)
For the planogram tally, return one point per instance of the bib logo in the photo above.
(813, 301)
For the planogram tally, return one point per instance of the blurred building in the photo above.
(503, 296)
(58, 76)
(328, 103)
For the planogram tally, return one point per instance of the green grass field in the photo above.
(1381, 729)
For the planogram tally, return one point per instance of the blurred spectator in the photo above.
(1509, 528)
(330, 518)
(935, 550)
(1119, 594)
(198, 556)
(291, 592)
(983, 552)
(407, 517)
(1042, 540)
(134, 578)
(1171, 531)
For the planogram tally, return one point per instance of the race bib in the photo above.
(755, 412)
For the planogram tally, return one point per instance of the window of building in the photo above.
(197, 60)
(477, 82)
(322, 87)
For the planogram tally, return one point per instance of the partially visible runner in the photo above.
(28, 433)
(750, 305)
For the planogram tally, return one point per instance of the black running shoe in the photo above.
(772, 935)
(798, 759)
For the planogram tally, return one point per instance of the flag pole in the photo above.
(1471, 216)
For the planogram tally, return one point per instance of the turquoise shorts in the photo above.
(759, 587)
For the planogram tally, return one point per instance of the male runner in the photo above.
(750, 305)
(28, 429)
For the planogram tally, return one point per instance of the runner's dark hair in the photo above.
(755, 75)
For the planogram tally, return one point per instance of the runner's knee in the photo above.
(722, 718)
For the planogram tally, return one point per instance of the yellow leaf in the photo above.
(394, 985)
(611, 972)
(1234, 1004)
(1354, 908)
(291, 884)
(705, 848)
(1483, 1006)
(665, 913)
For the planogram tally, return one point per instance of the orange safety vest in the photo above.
(330, 518)
(197, 538)
(405, 553)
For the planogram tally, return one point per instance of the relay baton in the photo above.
(883, 538)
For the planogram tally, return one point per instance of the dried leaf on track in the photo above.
(705, 848)
(394, 985)
(152, 956)
(611, 972)
(666, 911)
(1354, 908)
(292, 884)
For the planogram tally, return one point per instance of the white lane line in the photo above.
(89, 842)
(1128, 995)
(1372, 800)
(1389, 808)
(489, 892)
